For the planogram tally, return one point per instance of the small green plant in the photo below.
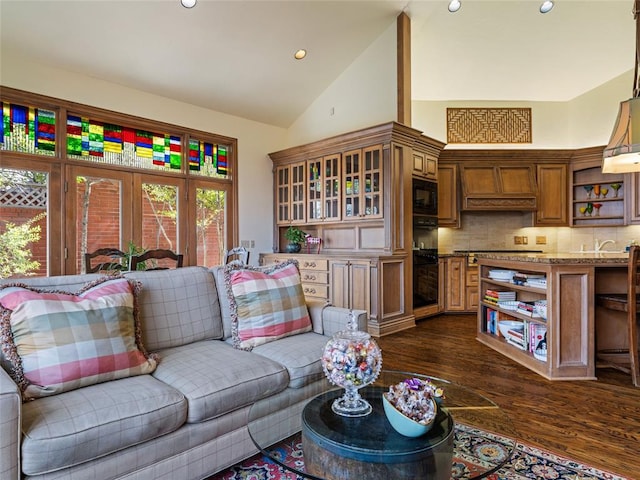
(294, 235)
(133, 249)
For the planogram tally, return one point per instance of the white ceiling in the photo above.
(236, 56)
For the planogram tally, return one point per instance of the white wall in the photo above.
(255, 140)
(362, 96)
(585, 121)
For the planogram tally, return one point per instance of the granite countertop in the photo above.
(558, 258)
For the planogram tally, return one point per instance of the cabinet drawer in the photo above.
(315, 264)
(315, 290)
(314, 276)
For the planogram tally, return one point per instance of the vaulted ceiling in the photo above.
(236, 56)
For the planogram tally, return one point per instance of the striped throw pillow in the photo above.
(266, 304)
(60, 341)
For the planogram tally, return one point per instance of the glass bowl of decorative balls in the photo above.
(351, 360)
(411, 406)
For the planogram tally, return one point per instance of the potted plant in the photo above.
(296, 237)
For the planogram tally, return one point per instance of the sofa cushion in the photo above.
(178, 306)
(61, 341)
(216, 378)
(266, 304)
(301, 355)
(223, 298)
(78, 426)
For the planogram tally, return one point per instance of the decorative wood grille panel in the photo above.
(488, 125)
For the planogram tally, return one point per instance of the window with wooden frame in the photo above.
(75, 178)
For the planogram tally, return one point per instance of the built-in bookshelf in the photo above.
(517, 301)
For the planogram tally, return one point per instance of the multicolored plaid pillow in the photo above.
(60, 341)
(266, 304)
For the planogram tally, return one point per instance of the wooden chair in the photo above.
(153, 256)
(238, 255)
(630, 303)
(114, 262)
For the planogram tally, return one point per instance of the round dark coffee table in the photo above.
(469, 428)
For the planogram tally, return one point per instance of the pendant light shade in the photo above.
(622, 154)
(623, 151)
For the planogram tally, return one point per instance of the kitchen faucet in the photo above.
(598, 245)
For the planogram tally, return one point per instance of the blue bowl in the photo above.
(403, 424)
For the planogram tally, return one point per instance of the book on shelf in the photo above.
(492, 317)
(527, 308)
(500, 295)
(516, 343)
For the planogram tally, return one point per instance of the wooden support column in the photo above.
(404, 69)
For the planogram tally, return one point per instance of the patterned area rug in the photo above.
(472, 446)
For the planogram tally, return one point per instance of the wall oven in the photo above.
(425, 260)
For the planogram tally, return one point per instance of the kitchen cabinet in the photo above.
(597, 199)
(448, 205)
(472, 298)
(357, 197)
(425, 165)
(350, 284)
(634, 197)
(459, 285)
(552, 205)
(455, 280)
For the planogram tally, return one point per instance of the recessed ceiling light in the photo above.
(454, 6)
(300, 54)
(188, 3)
(546, 6)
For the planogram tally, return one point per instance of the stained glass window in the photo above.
(208, 159)
(105, 142)
(27, 129)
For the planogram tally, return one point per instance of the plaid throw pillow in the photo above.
(266, 304)
(60, 341)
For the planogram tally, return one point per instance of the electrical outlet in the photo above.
(245, 243)
(517, 240)
(541, 240)
(525, 240)
(253, 244)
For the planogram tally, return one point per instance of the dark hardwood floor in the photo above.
(595, 422)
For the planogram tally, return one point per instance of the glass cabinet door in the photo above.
(362, 183)
(282, 194)
(372, 174)
(297, 193)
(351, 184)
(331, 187)
(314, 189)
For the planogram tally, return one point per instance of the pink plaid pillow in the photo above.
(60, 341)
(266, 304)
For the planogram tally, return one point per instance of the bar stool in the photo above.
(630, 303)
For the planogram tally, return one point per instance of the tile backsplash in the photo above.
(496, 231)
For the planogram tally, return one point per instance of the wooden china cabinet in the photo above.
(354, 192)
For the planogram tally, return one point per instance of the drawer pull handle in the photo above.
(309, 277)
(310, 264)
(309, 290)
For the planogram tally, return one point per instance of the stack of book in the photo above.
(527, 308)
(536, 280)
(516, 337)
(494, 297)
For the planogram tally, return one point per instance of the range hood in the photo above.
(498, 187)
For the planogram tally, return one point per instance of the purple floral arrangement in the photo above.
(416, 399)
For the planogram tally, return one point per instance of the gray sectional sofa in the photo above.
(186, 420)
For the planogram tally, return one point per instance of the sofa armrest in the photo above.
(336, 319)
(10, 413)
